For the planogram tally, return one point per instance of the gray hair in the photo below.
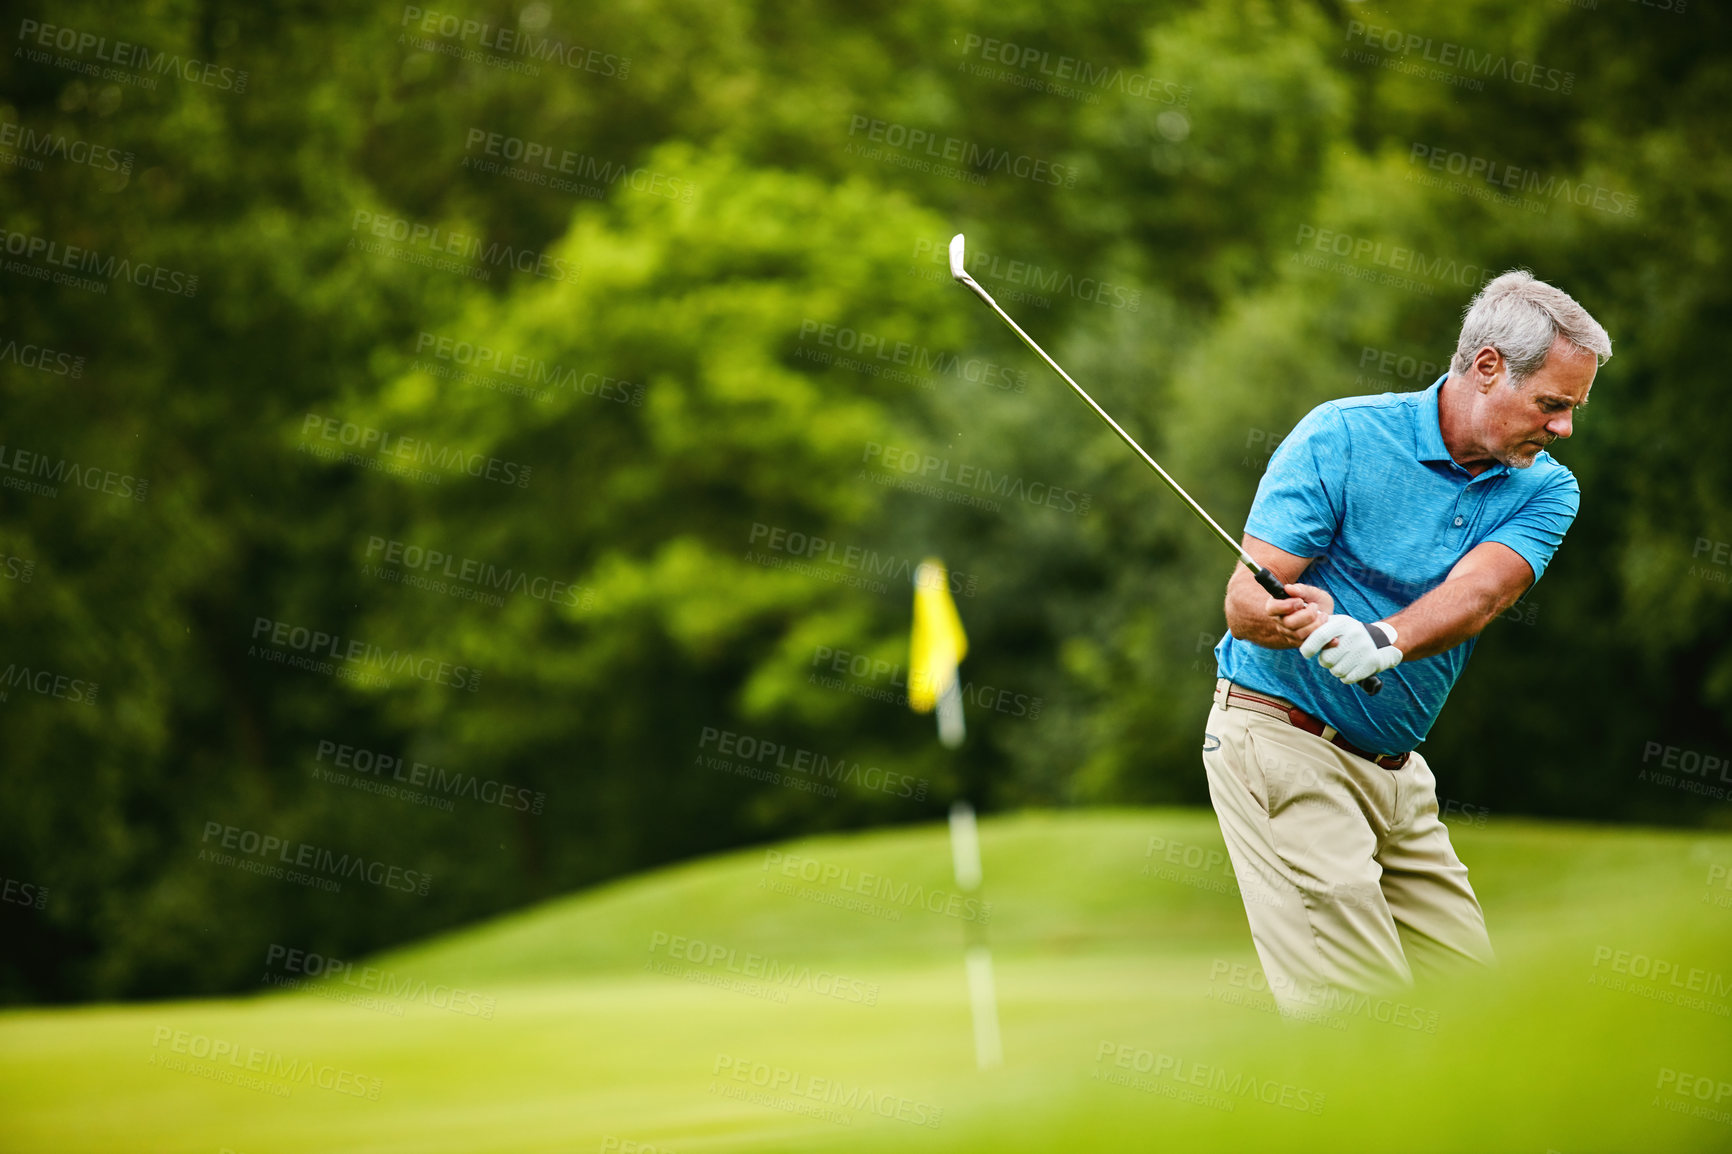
(1521, 317)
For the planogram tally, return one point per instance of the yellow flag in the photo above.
(936, 649)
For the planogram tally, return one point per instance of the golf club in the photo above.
(1270, 583)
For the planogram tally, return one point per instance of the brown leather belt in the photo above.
(1280, 707)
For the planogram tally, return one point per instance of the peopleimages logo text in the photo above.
(468, 246)
(124, 54)
(504, 41)
(358, 653)
(1460, 58)
(77, 259)
(305, 856)
(955, 150)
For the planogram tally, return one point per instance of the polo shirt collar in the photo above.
(1428, 433)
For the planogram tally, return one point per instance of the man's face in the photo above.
(1515, 424)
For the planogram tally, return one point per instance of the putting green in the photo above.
(827, 1009)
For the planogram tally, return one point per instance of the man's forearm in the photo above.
(1450, 614)
(1442, 619)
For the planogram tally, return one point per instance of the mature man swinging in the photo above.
(1414, 519)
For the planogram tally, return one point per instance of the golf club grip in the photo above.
(1271, 584)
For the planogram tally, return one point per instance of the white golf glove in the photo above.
(1356, 654)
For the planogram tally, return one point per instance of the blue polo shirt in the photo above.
(1366, 487)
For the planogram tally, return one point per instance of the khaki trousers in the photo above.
(1348, 876)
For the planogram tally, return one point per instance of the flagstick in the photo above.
(977, 958)
(951, 729)
(983, 1000)
(935, 650)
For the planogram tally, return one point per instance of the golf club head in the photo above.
(960, 275)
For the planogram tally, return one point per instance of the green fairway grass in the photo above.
(1117, 937)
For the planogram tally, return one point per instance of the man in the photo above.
(1414, 519)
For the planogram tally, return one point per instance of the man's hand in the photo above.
(1274, 622)
(1348, 650)
(1306, 608)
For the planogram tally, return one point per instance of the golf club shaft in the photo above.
(1271, 584)
(1114, 425)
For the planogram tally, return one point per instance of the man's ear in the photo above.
(1488, 365)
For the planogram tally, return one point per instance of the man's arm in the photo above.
(1483, 584)
(1488, 580)
(1254, 616)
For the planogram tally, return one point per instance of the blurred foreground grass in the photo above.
(564, 1039)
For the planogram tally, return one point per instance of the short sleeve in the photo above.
(1299, 506)
(1537, 529)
